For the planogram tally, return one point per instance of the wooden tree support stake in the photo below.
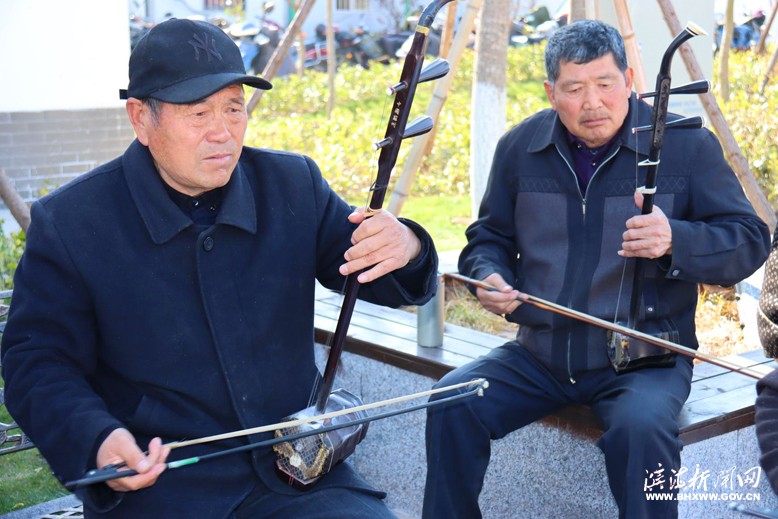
(14, 201)
(439, 95)
(271, 69)
(731, 149)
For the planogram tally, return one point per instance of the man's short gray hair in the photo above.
(155, 107)
(581, 42)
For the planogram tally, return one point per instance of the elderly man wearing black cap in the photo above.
(169, 294)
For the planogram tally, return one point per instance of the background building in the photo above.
(64, 61)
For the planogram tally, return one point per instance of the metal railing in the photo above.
(12, 439)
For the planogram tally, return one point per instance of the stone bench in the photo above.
(533, 468)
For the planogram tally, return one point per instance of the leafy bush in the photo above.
(753, 117)
(292, 116)
(11, 247)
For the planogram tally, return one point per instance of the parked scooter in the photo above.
(392, 42)
(373, 45)
(258, 41)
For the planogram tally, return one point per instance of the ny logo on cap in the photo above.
(206, 44)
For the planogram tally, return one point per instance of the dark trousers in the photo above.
(637, 410)
(327, 503)
(340, 494)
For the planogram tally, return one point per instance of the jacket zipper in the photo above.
(583, 215)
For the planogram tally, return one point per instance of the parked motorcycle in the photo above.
(348, 49)
(744, 34)
(373, 45)
(390, 43)
(534, 27)
(139, 27)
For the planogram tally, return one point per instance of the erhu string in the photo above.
(635, 122)
(380, 123)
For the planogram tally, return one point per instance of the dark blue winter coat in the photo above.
(126, 314)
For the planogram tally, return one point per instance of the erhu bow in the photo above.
(319, 425)
(627, 353)
(303, 462)
(616, 328)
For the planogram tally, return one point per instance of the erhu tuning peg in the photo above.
(418, 126)
(685, 123)
(435, 70)
(696, 87)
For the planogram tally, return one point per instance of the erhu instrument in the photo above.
(310, 442)
(302, 462)
(628, 353)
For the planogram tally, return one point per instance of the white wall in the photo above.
(653, 36)
(62, 54)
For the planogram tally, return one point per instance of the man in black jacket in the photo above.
(169, 294)
(560, 220)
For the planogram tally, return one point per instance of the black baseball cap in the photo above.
(182, 61)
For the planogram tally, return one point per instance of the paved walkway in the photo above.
(68, 506)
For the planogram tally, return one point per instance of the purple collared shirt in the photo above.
(586, 160)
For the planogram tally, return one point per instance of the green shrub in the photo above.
(753, 117)
(11, 247)
(292, 116)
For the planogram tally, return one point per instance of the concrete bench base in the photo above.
(540, 470)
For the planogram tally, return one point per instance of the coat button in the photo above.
(675, 273)
(208, 244)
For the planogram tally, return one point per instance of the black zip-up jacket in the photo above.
(541, 233)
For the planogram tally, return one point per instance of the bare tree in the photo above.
(762, 45)
(332, 61)
(487, 119)
(583, 9)
(769, 72)
(283, 48)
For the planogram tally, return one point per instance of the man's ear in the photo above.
(550, 93)
(140, 118)
(629, 75)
